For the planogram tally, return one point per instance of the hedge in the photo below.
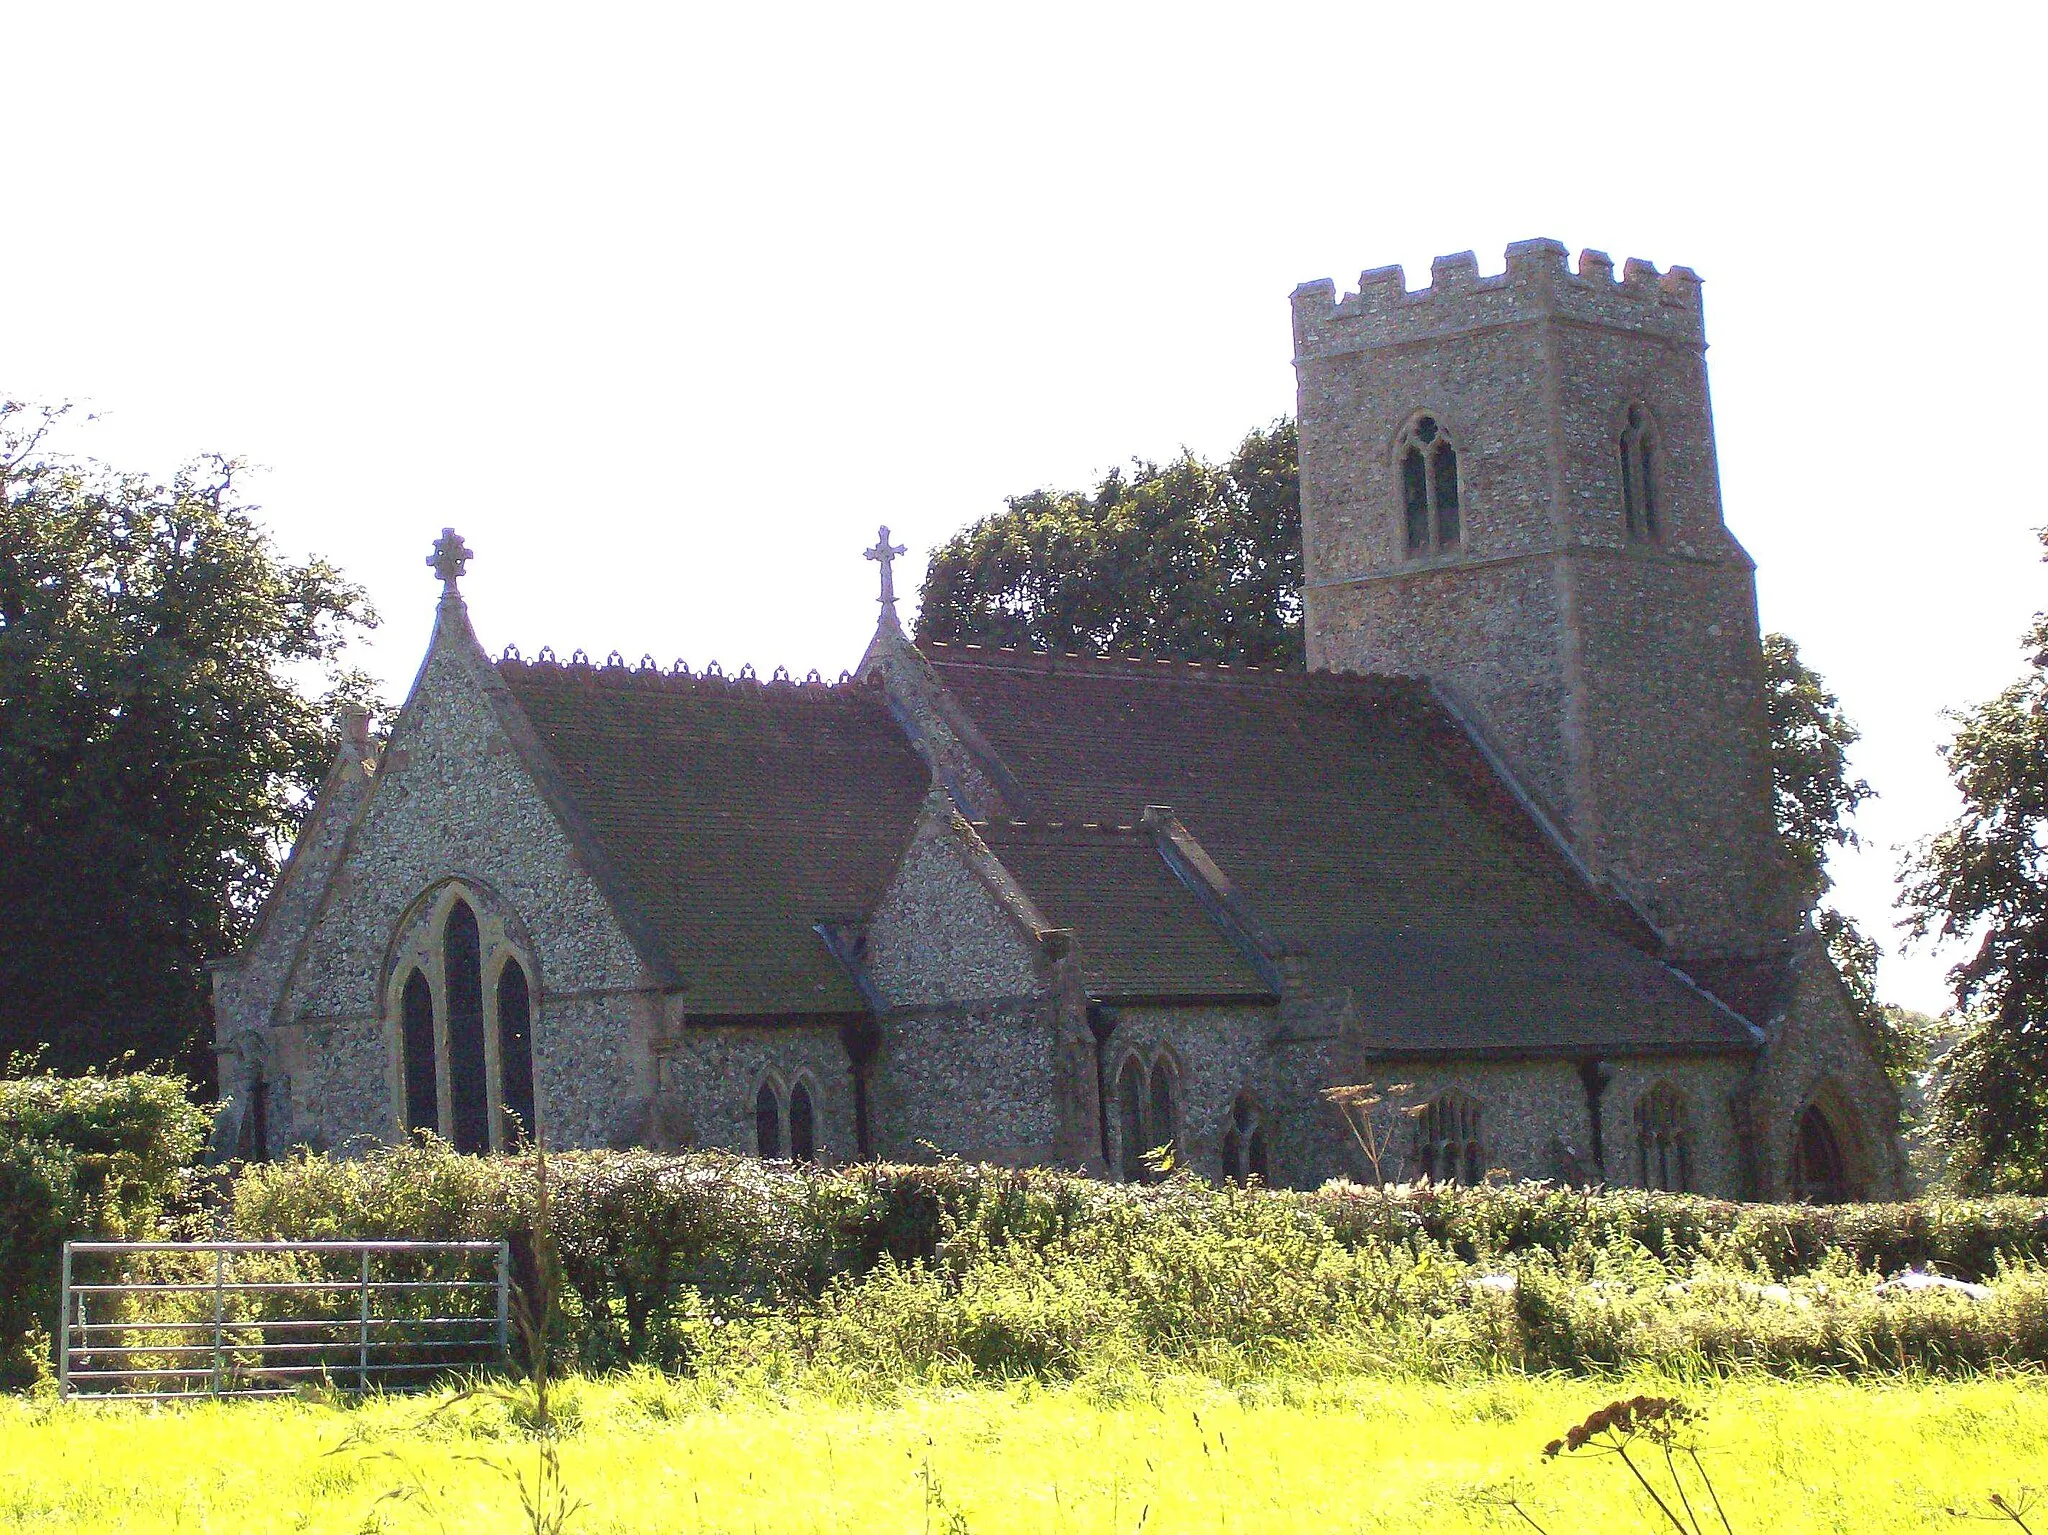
(81, 1158)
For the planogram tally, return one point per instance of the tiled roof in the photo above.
(736, 814)
(1142, 933)
(1361, 828)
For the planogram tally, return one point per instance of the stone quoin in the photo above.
(1508, 841)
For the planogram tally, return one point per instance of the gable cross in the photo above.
(884, 554)
(450, 558)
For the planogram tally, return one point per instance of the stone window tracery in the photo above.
(1244, 1144)
(786, 1119)
(1449, 1147)
(463, 1020)
(1663, 1140)
(1642, 463)
(1428, 469)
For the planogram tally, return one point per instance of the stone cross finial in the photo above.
(884, 553)
(450, 558)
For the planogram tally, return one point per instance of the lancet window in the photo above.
(1244, 1143)
(1449, 1146)
(1428, 468)
(463, 1023)
(1147, 1119)
(1663, 1140)
(786, 1120)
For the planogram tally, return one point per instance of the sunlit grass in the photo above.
(1109, 1455)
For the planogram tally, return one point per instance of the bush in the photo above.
(96, 1158)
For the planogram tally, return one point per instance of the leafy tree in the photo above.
(155, 752)
(1985, 877)
(1812, 792)
(1189, 560)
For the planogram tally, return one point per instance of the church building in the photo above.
(1505, 847)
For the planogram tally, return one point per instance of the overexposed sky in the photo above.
(666, 307)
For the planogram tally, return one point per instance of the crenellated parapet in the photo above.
(1539, 283)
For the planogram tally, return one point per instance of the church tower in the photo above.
(1509, 485)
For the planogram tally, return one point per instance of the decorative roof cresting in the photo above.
(450, 558)
(885, 554)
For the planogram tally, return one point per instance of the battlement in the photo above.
(1538, 283)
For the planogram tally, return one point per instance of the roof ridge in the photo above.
(648, 674)
(1008, 829)
(1165, 668)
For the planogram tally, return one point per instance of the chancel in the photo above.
(1507, 841)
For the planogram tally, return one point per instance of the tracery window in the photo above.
(1663, 1140)
(1642, 462)
(1429, 487)
(1147, 1123)
(458, 1076)
(1448, 1145)
(1244, 1144)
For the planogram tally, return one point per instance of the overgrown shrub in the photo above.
(96, 1158)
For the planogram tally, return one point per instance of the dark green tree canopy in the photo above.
(156, 748)
(1188, 560)
(1984, 880)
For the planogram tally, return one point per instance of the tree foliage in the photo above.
(1984, 878)
(1189, 560)
(1812, 793)
(156, 747)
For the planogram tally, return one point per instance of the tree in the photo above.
(1984, 877)
(1812, 793)
(1190, 560)
(155, 754)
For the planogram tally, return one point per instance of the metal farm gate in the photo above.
(159, 1321)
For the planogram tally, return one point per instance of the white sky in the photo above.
(665, 307)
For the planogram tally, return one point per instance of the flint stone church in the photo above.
(1507, 841)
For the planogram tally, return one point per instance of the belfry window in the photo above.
(1429, 487)
(1244, 1144)
(1663, 1141)
(1448, 1146)
(1641, 465)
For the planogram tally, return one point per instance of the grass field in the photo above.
(1117, 1455)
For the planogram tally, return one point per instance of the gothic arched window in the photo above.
(803, 1125)
(1429, 487)
(468, 1089)
(1244, 1143)
(768, 1122)
(1663, 1140)
(1819, 1175)
(515, 1056)
(1161, 1124)
(1130, 1106)
(422, 1092)
(465, 1018)
(1642, 461)
(1448, 1144)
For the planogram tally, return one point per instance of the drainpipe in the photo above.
(1102, 1024)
